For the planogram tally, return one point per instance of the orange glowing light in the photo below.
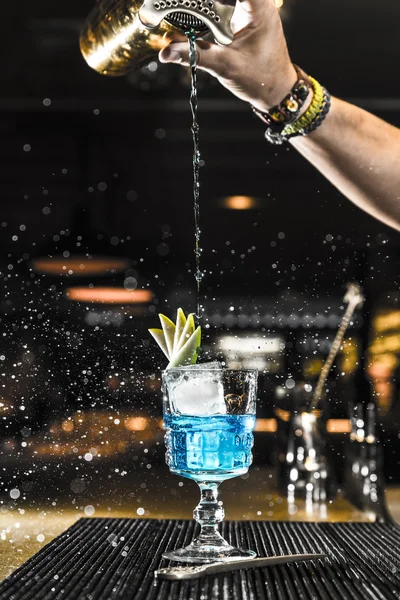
(136, 423)
(386, 321)
(266, 425)
(382, 366)
(109, 295)
(67, 426)
(240, 202)
(79, 266)
(282, 414)
(386, 343)
(338, 426)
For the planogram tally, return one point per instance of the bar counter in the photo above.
(115, 559)
(248, 498)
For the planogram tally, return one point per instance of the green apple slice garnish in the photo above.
(179, 342)
(187, 332)
(187, 355)
(169, 333)
(158, 335)
(179, 327)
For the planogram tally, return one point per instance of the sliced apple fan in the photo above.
(179, 341)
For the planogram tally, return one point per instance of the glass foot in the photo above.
(203, 553)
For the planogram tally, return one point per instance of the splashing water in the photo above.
(196, 165)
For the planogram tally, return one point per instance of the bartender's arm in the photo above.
(356, 151)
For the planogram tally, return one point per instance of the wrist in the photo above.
(272, 94)
(308, 100)
(291, 107)
(292, 117)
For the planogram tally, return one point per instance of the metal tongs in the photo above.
(197, 571)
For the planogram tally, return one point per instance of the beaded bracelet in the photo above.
(320, 104)
(286, 113)
(312, 118)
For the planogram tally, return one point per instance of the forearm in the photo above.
(357, 152)
(360, 155)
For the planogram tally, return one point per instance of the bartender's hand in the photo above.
(256, 67)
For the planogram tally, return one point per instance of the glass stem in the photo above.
(209, 513)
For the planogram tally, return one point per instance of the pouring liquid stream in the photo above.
(196, 166)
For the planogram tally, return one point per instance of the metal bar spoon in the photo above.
(197, 571)
(354, 298)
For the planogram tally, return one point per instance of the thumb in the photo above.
(176, 52)
(210, 57)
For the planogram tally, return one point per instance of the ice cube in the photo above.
(197, 391)
(202, 366)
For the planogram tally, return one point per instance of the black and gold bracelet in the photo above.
(279, 132)
(287, 112)
(314, 115)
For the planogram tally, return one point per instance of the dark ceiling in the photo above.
(123, 148)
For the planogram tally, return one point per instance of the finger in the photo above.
(174, 36)
(258, 6)
(210, 57)
(240, 18)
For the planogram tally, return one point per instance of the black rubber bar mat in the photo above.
(114, 559)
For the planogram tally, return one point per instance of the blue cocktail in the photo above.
(211, 448)
(209, 418)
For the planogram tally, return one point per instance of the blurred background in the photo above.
(96, 192)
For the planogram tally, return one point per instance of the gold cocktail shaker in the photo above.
(120, 35)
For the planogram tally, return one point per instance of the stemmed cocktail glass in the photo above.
(209, 418)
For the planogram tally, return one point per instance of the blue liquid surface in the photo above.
(211, 448)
